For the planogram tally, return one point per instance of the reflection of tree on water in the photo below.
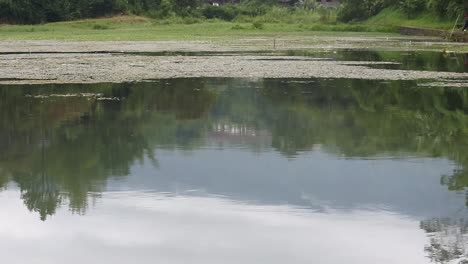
(363, 118)
(356, 119)
(40, 191)
(410, 60)
(448, 240)
(458, 181)
(86, 140)
(80, 143)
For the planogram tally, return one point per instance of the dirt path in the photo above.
(92, 62)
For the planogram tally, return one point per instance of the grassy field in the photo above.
(394, 18)
(277, 22)
(140, 28)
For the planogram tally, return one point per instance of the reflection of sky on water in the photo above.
(314, 175)
(314, 179)
(147, 227)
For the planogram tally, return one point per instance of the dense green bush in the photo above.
(413, 7)
(225, 13)
(163, 11)
(258, 25)
(355, 10)
(41, 11)
(447, 8)
(232, 11)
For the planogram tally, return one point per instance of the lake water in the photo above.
(234, 171)
(398, 60)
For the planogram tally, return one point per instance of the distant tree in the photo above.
(355, 10)
(185, 7)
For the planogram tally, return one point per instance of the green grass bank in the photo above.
(276, 22)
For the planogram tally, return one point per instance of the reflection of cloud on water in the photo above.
(134, 227)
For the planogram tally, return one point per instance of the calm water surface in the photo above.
(233, 171)
(409, 60)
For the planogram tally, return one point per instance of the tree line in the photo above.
(42, 11)
(355, 10)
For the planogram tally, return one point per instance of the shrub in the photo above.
(100, 27)
(258, 25)
(447, 8)
(163, 11)
(237, 27)
(324, 13)
(191, 20)
(222, 12)
(185, 7)
(356, 10)
(413, 7)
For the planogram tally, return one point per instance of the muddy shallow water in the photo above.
(95, 62)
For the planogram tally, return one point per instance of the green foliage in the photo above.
(324, 13)
(356, 10)
(189, 20)
(413, 7)
(230, 12)
(185, 7)
(41, 11)
(307, 4)
(258, 25)
(163, 11)
(237, 27)
(305, 11)
(446, 8)
(227, 13)
(168, 26)
(395, 17)
(100, 27)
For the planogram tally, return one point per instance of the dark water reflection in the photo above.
(232, 170)
(410, 60)
(445, 61)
